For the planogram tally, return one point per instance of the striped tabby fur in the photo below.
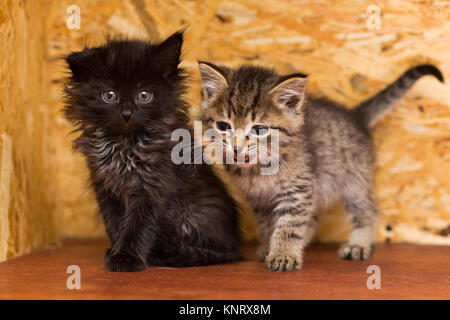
(325, 153)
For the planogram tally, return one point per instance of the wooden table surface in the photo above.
(407, 272)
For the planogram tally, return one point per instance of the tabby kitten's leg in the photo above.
(311, 231)
(361, 209)
(293, 216)
(265, 231)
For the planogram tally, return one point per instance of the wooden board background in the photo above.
(27, 184)
(44, 194)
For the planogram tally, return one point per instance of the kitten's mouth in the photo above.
(246, 158)
(242, 161)
(128, 127)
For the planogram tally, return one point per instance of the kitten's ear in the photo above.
(169, 52)
(213, 80)
(290, 92)
(80, 63)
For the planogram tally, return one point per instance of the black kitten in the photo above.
(126, 99)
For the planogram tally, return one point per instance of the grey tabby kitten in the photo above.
(325, 154)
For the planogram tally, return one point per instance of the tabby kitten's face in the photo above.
(249, 106)
(125, 86)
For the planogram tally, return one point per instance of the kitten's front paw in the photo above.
(280, 261)
(124, 263)
(107, 255)
(354, 252)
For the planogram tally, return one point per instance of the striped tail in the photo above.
(373, 109)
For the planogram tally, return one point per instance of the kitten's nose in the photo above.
(126, 115)
(237, 151)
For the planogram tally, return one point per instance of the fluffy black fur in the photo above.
(156, 213)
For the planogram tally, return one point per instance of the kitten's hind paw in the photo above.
(354, 252)
(283, 262)
(124, 263)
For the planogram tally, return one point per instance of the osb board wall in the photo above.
(331, 42)
(26, 184)
(346, 61)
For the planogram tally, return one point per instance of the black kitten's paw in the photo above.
(280, 261)
(107, 255)
(355, 252)
(124, 263)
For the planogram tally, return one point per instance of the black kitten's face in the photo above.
(125, 85)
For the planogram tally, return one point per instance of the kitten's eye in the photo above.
(223, 126)
(109, 96)
(144, 97)
(260, 131)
